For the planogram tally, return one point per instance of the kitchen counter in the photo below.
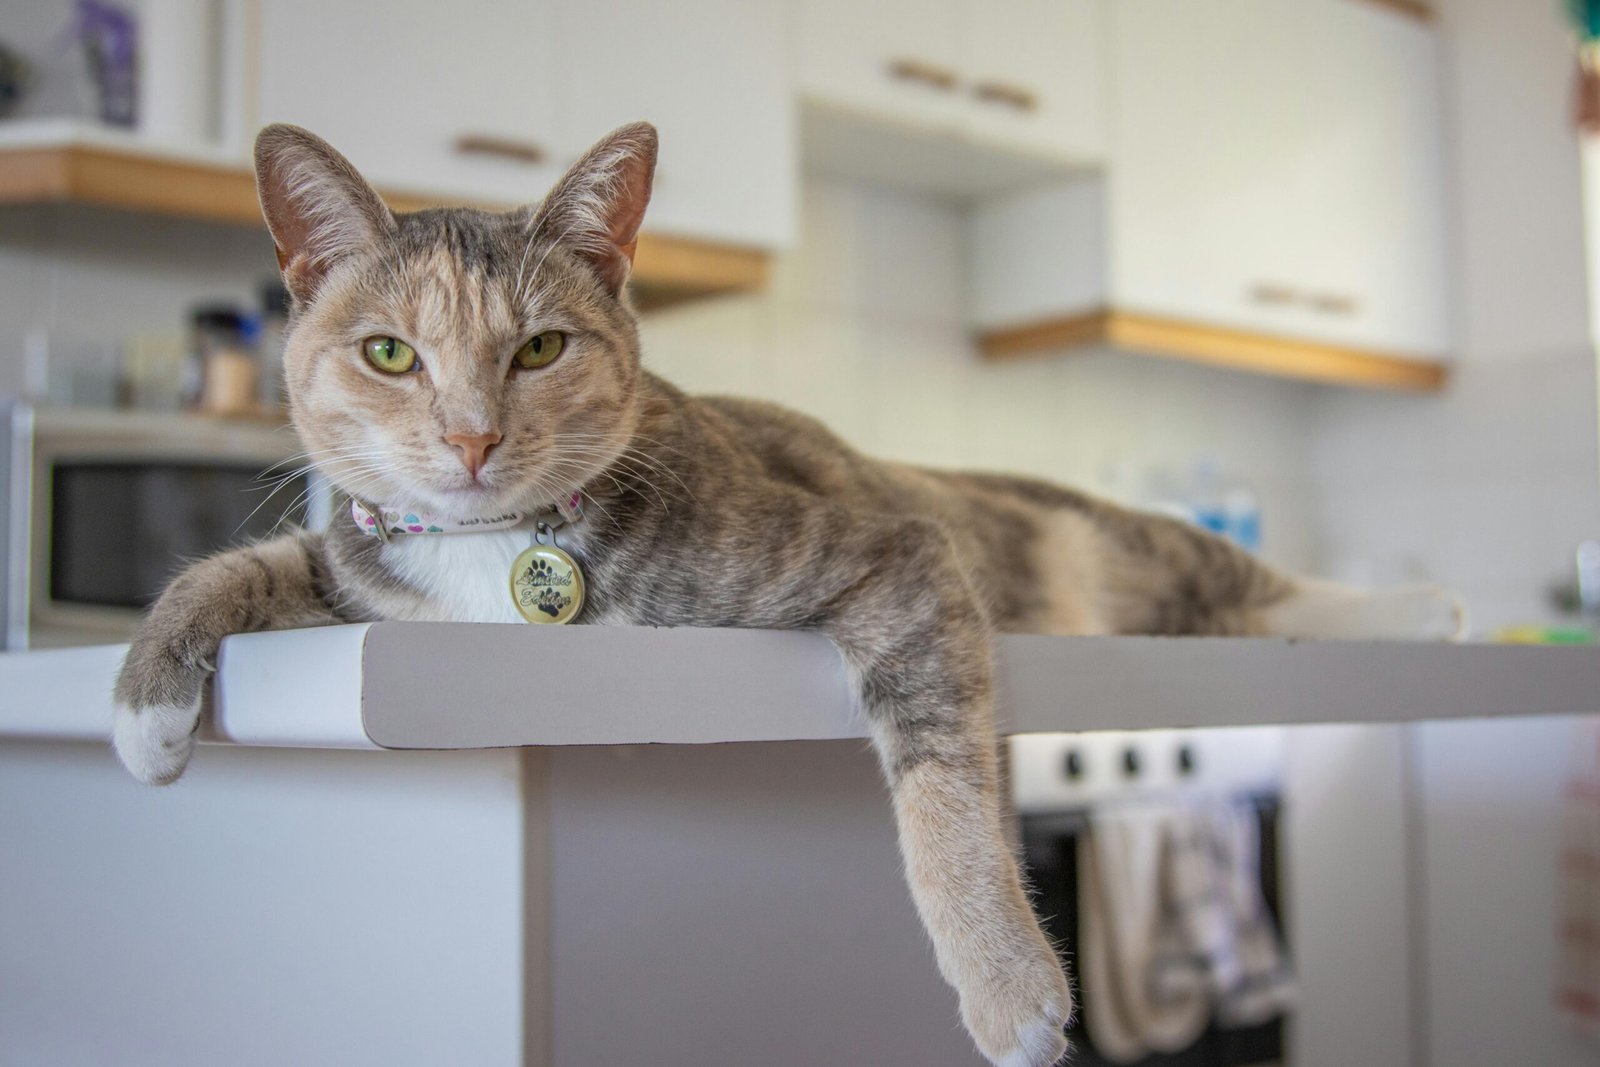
(455, 686)
(617, 890)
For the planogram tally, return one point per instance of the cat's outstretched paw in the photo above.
(1020, 1022)
(155, 743)
(157, 701)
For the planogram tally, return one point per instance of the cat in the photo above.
(475, 365)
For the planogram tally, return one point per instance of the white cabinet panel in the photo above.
(713, 76)
(1373, 263)
(1207, 135)
(1278, 167)
(999, 78)
(395, 89)
(395, 93)
(1036, 73)
(900, 58)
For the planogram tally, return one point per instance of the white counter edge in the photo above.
(441, 685)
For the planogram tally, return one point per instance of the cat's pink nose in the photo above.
(472, 448)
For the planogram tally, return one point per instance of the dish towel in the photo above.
(1578, 951)
(1174, 927)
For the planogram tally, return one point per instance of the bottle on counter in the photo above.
(224, 373)
(1224, 505)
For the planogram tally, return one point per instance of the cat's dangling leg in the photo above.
(921, 647)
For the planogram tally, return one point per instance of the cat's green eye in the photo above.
(389, 354)
(540, 351)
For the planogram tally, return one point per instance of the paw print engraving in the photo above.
(552, 603)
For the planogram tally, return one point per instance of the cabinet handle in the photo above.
(1272, 293)
(1013, 96)
(924, 73)
(483, 144)
(1334, 303)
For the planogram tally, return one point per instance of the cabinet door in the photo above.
(713, 77)
(1035, 69)
(1374, 271)
(396, 87)
(1208, 126)
(900, 59)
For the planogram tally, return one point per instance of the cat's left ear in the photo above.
(318, 208)
(598, 206)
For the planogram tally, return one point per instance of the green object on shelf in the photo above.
(1585, 17)
(1545, 635)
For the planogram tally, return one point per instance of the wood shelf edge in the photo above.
(1218, 346)
(669, 268)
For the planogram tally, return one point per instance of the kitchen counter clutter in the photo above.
(463, 686)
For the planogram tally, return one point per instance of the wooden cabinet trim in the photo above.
(668, 269)
(1217, 346)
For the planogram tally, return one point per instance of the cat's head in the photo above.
(453, 360)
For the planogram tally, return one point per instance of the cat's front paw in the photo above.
(155, 742)
(1019, 1020)
(157, 707)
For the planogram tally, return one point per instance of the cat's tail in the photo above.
(1161, 575)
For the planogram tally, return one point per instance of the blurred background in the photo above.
(1313, 273)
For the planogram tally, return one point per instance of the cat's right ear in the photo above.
(317, 207)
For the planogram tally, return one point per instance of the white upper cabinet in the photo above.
(1035, 70)
(893, 58)
(1276, 166)
(455, 100)
(1272, 198)
(1007, 76)
(1373, 269)
(713, 76)
(491, 100)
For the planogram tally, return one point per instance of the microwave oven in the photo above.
(102, 508)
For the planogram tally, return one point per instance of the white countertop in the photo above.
(451, 685)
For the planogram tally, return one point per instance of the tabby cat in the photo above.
(475, 366)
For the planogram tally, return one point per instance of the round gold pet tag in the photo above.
(546, 585)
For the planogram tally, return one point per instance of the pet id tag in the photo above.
(546, 584)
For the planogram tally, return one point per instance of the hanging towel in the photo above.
(1174, 927)
(1123, 928)
(1578, 930)
(1220, 937)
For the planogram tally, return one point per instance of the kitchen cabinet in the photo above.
(462, 105)
(712, 76)
(1274, 184)
(951, 96)
(494, 102)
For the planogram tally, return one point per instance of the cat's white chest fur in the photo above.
(463, 577)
